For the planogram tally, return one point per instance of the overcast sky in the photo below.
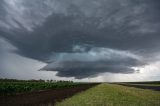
(82, 40)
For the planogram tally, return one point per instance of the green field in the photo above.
(18, 86)
(113, 95)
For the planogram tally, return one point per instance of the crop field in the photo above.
(153, 85)
(38, 93)
(113, 95)
(10, 87)
(150, 83)
(145, 82)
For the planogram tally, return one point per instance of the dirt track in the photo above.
(41, 98)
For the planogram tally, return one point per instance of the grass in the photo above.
(113, 95)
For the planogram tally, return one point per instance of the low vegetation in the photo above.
(16, 86)
(144, 82)
(113, 95)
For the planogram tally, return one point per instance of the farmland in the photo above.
(35, 93)
(10, 87)
(114, 95)
(153, 85)
(68, 93)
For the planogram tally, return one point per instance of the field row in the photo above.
(17, 87)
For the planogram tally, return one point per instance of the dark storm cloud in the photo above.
(93, 62)
(82, 69)
(88, 69)
(47, 30)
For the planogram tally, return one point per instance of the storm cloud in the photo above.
(95, 61)
(83, 38)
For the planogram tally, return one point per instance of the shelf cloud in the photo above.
(82, 38)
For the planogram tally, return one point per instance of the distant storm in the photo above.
(80, 38)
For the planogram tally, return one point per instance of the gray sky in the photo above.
(83, 40)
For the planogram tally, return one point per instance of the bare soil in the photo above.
(41, 98)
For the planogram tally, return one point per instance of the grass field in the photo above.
(113, 95)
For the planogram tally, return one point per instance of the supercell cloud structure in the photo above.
(82, 38)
